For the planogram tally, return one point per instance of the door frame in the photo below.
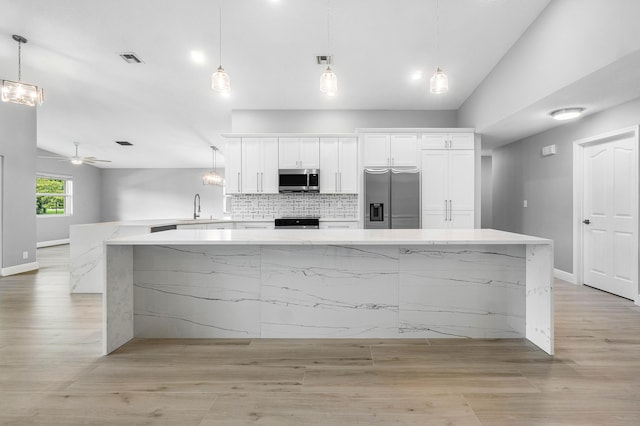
(578, 196)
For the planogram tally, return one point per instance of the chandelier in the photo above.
(18, 92)
(211, 177)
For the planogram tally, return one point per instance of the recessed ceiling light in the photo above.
(197, 56)
(566, 113)
(416, 75)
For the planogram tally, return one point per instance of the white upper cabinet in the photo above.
(233, 167)
(390, 150)
(299, 153)
(338, 165)
(259, 165)
(404, 150)
(447, 141)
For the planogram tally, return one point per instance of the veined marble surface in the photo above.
(365, 290)
(330, 237)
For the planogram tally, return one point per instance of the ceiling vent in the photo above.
(130, 58)
(323, 60)
(124, 143)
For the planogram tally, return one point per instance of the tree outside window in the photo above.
(53, 196)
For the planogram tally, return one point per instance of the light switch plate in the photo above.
(524, 203)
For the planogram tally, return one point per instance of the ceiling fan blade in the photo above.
(54, 157)
(100, 161)
(94, 160)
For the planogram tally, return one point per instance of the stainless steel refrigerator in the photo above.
(392, 198)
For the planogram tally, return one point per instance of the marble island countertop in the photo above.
(330, 237)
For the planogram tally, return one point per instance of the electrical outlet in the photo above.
(25, 254)
(524, 203)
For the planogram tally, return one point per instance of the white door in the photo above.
(348, 177)
(329, 165)
(288, 153)
(434, 180)
(461, 179)
(309, 150)
(376, 150)
(269, 170)
(404, 150)
(610, 197)
(233, 167)
(251, 165)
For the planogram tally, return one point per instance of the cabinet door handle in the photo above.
(257, 182)
(446, 218)
(261, 182)
(450, 211)
(340, 176)
(335, 182)
(239, 187)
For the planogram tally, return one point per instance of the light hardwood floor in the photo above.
(51, 371)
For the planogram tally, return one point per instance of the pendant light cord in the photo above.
(220, 27)
(19, 61)
(438, 31)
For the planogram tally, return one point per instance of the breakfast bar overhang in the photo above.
(395, 283)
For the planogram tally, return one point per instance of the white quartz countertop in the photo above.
(329, 237)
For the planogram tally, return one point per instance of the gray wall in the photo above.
(521, 173)
(339, 121)
(129, 194)
(87, 201)
(18, 148)
(486, 220)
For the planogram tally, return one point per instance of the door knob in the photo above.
(586, 221)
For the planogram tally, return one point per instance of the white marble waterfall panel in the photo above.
(539, 296)
(197, 291)
(462, 291)
(86, 264)
(117, 303)
(329, 291)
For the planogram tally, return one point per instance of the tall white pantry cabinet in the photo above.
(448, 180)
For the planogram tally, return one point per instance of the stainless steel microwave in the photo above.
(299, 180)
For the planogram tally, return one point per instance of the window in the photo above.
(53, 195)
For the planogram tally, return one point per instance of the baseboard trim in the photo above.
(565, 276)
(19, 269)
(52, 243)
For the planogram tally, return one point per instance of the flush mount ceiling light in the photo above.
(220, 81)
(18, 92)
(439, 82)
(211, 177)
(328, 80)
(566, 113)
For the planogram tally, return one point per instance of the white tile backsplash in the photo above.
(270, 206)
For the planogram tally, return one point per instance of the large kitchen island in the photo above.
(329, 284)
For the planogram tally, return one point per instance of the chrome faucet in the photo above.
(196, 213)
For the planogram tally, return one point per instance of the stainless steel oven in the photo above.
(299, 180)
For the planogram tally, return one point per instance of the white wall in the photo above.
(87, 200)
(570, 40)
(18, 148)
(337, 121)
(520, 172)
(130, 194)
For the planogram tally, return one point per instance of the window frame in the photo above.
(68, 194)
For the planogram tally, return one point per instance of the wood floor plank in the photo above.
(52, 371)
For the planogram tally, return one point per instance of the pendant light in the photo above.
(18, 92)
(220, 81)
(211, 177)
(439, 82)
(328, 80)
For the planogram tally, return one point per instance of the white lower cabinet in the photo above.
(255, 225)
(192, 226)
(339, 225)
(444, 219)
(221, 225)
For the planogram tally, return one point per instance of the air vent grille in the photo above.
(323, 59)
(124, 143)
(130, 58)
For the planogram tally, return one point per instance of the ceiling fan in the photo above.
(76, 159)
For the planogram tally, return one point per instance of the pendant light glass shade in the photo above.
(220, 81)
(439, 82)
(18, 92)
(211, 177)
(329, 82)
